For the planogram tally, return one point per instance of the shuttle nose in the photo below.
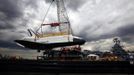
(79, 41)
(82, 40)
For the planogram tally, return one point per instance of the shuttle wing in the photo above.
(44, 46)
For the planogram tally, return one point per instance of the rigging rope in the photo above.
(44, 17)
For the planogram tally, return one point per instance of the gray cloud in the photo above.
(72, 4)
(126, 30)
(13, 20)
(106, 19)
(7, 44)
(126, 33)
(75, 4)
(10, 9)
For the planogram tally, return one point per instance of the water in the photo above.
(23, 73)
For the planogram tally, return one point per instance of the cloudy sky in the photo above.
(97, 21)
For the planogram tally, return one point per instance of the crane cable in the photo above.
(44, 17)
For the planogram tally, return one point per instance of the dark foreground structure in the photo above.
(40, 66)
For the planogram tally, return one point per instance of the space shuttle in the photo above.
(61, 34)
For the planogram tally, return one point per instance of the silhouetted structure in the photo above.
(118, 50)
